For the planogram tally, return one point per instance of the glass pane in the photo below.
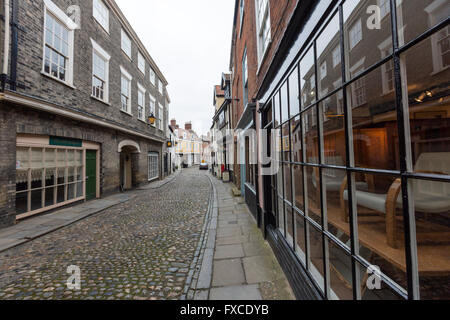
(61, 158)
(307, 79)
(70, 158)
(22, 158)
(21, 202)
(37, 158)
(36, 200)
(309, 122)
(300, 248)
(71, 174)
(281, 215)
(50, 176)
(417, 16)
(49, 197)
(60, 194)
(313, 194)
(78, 157)
(61, 176)
(71, 191)
(21, 180)
(316, 255)
(374, 120)
(290, 226)
(49, 158)
(363, 31)
(79, 175)
(334, 182)
(380, 223)
(432, 212)
(296, 140)
(287, 182)
(298, 187)
(428, 104)
(294, 94)
(372, 288)
(284, 102)
(328, 67)
(333, 121)
(80, 190)
(341, 282)
(36, 178)
(280, 180)
(276, 106)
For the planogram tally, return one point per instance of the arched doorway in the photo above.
(127, 149)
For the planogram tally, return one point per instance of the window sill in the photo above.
(99, 100)
(127, 113)
(142, 120)
(439, 71)
(101, 26)
(127, 56)
(58, 80)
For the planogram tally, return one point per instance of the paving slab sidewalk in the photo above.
(242, 266)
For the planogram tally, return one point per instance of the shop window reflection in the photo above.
(340, 273)
(380, 222)
(431, 201)
(374, 121)
(428, 104)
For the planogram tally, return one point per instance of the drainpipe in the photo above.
(4, 74)
(14, 45)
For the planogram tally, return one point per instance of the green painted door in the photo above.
(91, 174)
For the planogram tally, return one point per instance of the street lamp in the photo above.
(151, 119)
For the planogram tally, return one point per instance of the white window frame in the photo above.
(152, 76)
(141, 90)
(241, 15)
(359, 84)
(97, 50)
(160, 116)
(153, 166)
(323, 70)
(153, 106)
(160, 87)
(384, 51)
(129, 78)
(53, 9)
(385, 7)
(263, 21)
(126, 44)
(355, 34)
(337, 56)
(141, 63)
(98, 16)
(433, 10)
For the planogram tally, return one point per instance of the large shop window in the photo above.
(329, 174)
(153, 166)
(47, 177)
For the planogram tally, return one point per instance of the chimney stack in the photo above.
(188, 126)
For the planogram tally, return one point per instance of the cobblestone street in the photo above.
(140, 249)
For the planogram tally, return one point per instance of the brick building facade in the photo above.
(78, 109)
(357, 93)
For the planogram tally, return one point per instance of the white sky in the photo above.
(190, 42)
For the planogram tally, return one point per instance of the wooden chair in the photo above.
(430, 197)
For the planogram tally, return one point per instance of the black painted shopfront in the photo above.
(360, 100)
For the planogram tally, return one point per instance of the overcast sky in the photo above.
(190, 42)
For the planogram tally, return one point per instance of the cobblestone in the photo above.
(140, 249)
